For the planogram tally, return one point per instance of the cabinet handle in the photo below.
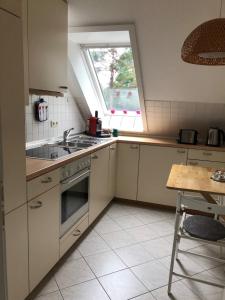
(63, 87)
(193, 163)
(47, 180)
(207, 153)
(94, 157)
(77, 232)
(181, 151)
(37, 205)
(133, 147)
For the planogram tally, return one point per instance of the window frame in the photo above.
(85, 48)
(130, 28)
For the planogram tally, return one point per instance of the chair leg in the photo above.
(177, 224)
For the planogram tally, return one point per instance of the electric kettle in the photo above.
(215, 137)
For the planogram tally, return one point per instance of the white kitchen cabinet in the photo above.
(98, 199)
(127, 171)
(12, 6)
(43, 228)
(16, 236)
(12, 111)
(154, 168)
(47, 44)
(112, 171)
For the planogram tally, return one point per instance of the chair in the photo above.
(206, 229)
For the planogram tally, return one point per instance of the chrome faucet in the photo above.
(66, 134)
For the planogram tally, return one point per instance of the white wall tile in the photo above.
(63, 110)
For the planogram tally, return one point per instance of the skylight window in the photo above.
(115, 76)
(106, 64)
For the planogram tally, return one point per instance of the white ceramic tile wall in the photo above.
(63, 110)
(165, 118)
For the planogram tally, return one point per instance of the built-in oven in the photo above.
(74, 192)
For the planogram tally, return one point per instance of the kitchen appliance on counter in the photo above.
(215, 137)
(188, 136)
(94, 125)
(74, 179)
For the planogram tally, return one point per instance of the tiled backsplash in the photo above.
(165, 118)
(62, 110)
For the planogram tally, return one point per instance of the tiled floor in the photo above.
(127, 256)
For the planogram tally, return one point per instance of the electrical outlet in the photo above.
(54, 124)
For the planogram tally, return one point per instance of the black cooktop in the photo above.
(49, 152)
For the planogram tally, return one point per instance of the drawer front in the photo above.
(206, 155)
(42, 184)
(207, 164)
(73, 235)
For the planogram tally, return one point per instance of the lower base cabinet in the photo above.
(99, 197)
(43, 228)
(154, 168)
(16, 238)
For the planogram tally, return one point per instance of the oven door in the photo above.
(74, 199)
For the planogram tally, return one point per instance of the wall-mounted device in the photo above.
(41, 110)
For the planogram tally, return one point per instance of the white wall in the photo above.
(161, 26)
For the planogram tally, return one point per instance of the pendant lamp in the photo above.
(205, 45)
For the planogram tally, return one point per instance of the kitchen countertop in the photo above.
(37, 167)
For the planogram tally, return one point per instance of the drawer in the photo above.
(73, 235)
(207, 164)
(206, 155)
(42, 184)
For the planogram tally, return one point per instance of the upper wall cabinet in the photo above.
(47, 44)
(12, 6)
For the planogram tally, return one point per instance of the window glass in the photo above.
(115, 73)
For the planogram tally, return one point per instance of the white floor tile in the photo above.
(118, 239)
(73, 272)
(204, 262)
(129, 221)
(105, 263)
(122, 285)
(162, 228)
(179, 292)
(51, 296)
(49, 287)
(185, 264)
(92, 246)
(205, 291)
(149, 216)
(107, 226)
(152, 274)
(142, 233)
(158, 247)
(185, 244)
(218, 272)
(147, 296)
(134, 255)
(90, 290)
(74, 255)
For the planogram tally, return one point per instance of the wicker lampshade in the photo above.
(205, 45)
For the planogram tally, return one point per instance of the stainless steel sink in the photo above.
(75, 144)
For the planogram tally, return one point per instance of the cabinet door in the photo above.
(13, 6)
(17, 253)
(98, 199)
(127, 171)
(12, 111)
(43, 228)
(154, 168)
(47, 44)
(112, 171)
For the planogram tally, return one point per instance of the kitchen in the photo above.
(115, 241)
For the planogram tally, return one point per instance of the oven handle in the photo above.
(74, 179)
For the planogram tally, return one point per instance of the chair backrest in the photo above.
(199, 204)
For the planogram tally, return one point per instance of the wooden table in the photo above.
(195, 179)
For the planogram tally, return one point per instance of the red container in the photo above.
(92, 126)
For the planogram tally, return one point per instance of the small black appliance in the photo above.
(215, 137)
(187, 136)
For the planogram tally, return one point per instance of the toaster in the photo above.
(187, 136)
(215, 137)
